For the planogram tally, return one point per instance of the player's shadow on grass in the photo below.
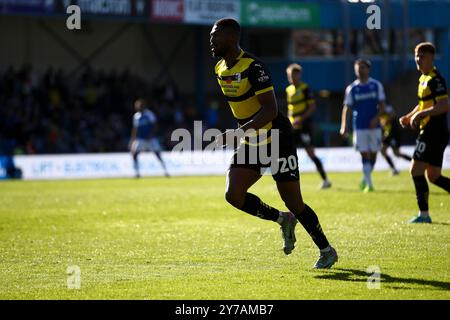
(441, 223)
(354, 275)
(386, 191)
(377, 191)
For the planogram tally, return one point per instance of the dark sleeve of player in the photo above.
(259, 77)
(438, 86)
(309, 97)
(307, 94)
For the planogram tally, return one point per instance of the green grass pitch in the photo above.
(177, 238)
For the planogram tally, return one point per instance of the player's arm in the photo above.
(381, 106)
(405, 120)
(155, 127)
(346, 110)
(268, 112)
(440, 107)
(132, 136)
(261, 83)
(438, 90)
(310, 103)
(392, 116)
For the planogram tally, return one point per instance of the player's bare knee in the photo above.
(433, 175)
(414, 171)
(418, 169)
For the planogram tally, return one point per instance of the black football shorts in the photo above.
(430, 148)
(283, 164)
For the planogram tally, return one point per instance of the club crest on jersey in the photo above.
(238, 77)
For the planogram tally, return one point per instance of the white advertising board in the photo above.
(115, 165)
(209, 11)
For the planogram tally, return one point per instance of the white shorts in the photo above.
(140, 145)
(367, 140)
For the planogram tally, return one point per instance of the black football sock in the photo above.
(422, 192)
(254, 206)
(389, 161)
(310, 222)
(443, 182)
(319, 167)
(404, 156)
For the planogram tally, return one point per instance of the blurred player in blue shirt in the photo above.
(365, 99)
(143, 135)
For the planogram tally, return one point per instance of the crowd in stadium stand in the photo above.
(91, 111)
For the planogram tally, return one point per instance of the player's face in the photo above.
(138, 106)
(361, 71)
(294, 77)
(424, 61)
(219, 42)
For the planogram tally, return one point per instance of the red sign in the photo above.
(168, 10)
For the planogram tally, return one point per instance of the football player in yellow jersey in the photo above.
(430, 117)
(391, 137)
(247, 86)
(301, 106)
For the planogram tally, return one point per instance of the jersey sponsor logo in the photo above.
(439, 86)
(236, 77)
(263, 77)
(365, 96)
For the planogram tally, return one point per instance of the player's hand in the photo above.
(344, 132)
(404, 121)
(414, 122)
(373, 123)
(298, 122)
